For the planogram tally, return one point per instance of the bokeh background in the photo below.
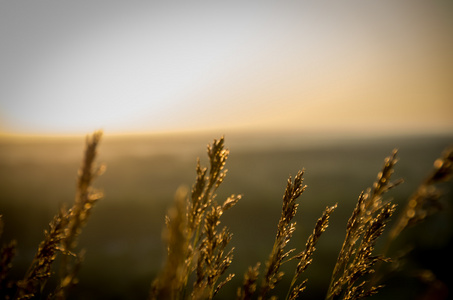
(329, 87)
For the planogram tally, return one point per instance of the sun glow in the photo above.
(162, 67)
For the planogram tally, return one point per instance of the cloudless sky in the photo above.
(129, 66)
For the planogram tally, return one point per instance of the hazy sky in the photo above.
(125, 66)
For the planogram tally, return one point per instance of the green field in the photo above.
(123, 235)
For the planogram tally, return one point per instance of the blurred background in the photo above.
(147, 66)
(331, 88)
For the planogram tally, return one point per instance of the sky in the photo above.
(71, 67)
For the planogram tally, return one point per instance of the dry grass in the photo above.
(365, 225)
(425, 201)
(198, 247)
(198, 252)
(60, 238)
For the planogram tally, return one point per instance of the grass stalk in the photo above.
(365, 225)
(285, 229)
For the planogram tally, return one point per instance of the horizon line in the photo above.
(345, 132)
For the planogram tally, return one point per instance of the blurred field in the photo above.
(123, 236)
